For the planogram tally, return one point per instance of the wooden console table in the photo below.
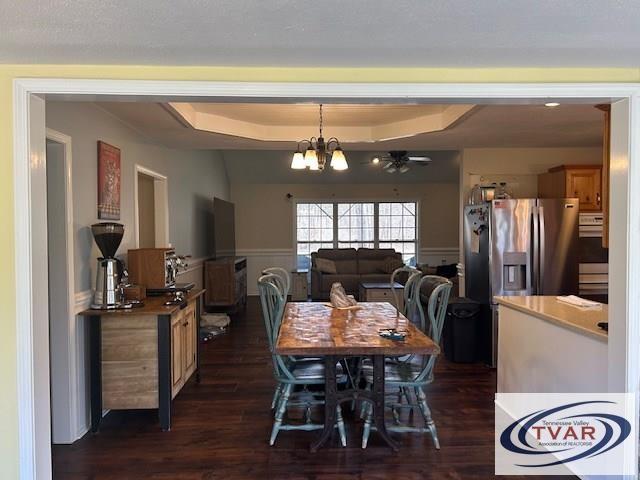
(142, 357)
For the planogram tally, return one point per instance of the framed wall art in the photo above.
(109, 174)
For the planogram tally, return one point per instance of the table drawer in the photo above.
(379, 295)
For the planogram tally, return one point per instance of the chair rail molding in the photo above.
(259, 259)
(34, 452)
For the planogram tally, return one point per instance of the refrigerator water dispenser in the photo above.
(514, 276)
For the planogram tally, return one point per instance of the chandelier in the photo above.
(315, 156)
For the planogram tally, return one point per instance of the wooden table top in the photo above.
(152, 306)
(313, 328)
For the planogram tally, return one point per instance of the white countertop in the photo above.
(548, 308)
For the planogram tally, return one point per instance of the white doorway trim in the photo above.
(71, 380)
(624, 333)
(161, 206)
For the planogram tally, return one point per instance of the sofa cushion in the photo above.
(390, 264)
(370, 260)
(375, 278)
(349, 282)
(326, 266)
(344, 258)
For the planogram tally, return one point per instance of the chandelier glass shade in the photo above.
(317, 152)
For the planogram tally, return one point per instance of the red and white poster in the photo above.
(108, 182)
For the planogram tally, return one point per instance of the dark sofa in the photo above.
(352, 266)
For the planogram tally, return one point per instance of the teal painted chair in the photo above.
(283, 281)
(411, 375)
(409, 310)
(293, 377)
(284, 278)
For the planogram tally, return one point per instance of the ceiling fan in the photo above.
(399, 161)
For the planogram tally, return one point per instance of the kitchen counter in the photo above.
(548, 308)
(142, 357)
(547, 346)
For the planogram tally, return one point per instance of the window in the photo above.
(314, 230)
(356, 225)
(397, 229)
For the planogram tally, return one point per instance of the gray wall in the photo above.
(194, 178)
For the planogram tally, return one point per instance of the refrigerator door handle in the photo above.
(541, 254)
(535, 249)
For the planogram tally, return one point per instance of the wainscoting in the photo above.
(258, 260)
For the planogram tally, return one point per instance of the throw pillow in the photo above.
(326, 266)
(389, 264)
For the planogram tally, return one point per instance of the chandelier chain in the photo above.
(321, 120)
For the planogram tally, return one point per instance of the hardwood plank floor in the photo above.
(221, 428)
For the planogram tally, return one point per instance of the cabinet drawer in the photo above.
(379, 295)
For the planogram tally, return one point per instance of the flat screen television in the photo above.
(224, 229)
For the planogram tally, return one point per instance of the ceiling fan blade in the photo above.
(387, 165)
(419, 159)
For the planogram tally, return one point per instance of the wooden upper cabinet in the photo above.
(574, 181)
(586, 185)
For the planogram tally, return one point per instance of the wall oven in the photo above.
(593, 258)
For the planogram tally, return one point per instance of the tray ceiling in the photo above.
(483, 126)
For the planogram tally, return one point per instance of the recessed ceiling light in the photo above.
(551, 104)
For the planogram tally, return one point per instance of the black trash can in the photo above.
(461, 330)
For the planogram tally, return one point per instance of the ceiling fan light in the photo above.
(375, 160)
(298, 162)
(338, 160)
(311, 159)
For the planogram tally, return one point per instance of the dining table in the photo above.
(316, 329)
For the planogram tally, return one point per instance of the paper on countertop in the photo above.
(475, 243)
(578, 302)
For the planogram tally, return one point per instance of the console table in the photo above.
(142, 357)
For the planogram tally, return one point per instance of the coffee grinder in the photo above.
(108, 293)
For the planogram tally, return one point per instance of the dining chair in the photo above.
(413, 276)
(416, 371)
(408, 310)
(293, 377)
(284, 283)
(283, 276)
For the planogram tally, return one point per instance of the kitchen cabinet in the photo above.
(574, 181)
(606, 165)
(183, 347)
(142, 357)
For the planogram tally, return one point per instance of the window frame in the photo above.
(336, 201)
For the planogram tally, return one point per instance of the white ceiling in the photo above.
(326, 33)
(485, 126)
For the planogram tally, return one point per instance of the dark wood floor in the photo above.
(221, 427)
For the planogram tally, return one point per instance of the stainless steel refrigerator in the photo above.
(519, 247)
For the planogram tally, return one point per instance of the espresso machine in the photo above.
(109, 292)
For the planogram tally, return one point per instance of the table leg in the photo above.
(95, 347)
(377, 395)
(330, 401)
(164, 371)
